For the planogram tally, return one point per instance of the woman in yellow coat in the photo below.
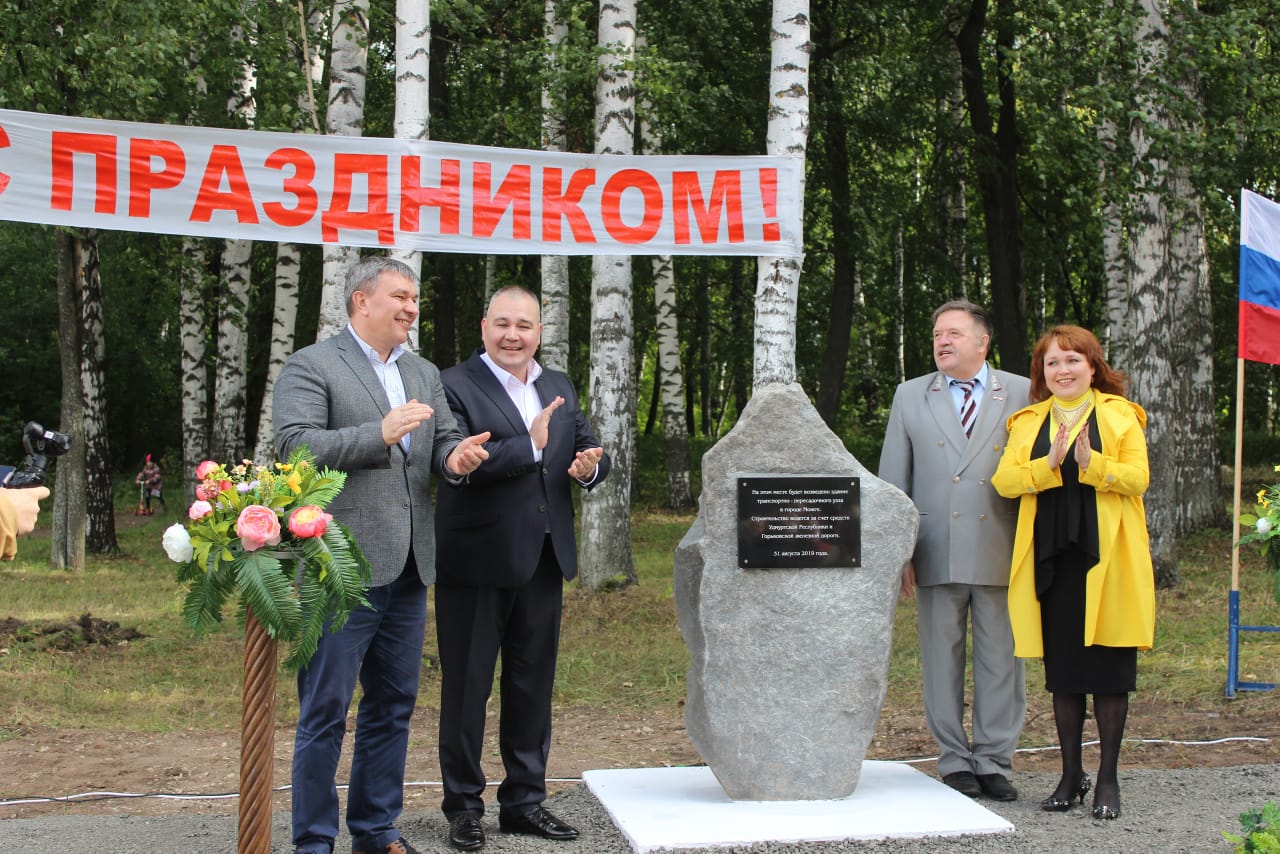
(1082, 588)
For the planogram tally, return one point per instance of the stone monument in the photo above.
(789, 638)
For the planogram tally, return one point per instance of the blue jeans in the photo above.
(382, 646)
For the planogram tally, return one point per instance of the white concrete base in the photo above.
(687, 808)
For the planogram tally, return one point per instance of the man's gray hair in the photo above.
(979, 314)
(362, 276)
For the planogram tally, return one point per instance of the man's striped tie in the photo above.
(968, 406)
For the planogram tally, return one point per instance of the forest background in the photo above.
(1073, 162)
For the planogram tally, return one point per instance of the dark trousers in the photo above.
(382, 647)
(474, 626)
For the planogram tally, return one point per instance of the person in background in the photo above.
(1082, 587)
(505, 547)
(19, 509)
(152, 484)
(944, 438)
(367, 406)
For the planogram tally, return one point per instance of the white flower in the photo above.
(177, 543)
(1264, 525)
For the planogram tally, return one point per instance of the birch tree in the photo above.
(100, 532)
(412, 121)
(1159, 307)
(194, 366)
(554, 351)
(230, 366)
(348, 66)
(675, 435)
(778, 278)
(233, 302)
(606, 511)
(284, 314)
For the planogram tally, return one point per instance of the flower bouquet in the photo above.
(262, 530)
(1266, 526)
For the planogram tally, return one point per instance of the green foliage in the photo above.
(296, 582)
(1259, 831)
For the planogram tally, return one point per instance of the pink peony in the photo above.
(205, 469)
(199, 509)
(309, 521)
(205, 494)
(258, 526)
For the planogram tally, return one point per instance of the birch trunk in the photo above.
(778, 279)
(605, 555)
(100, 531)
(345, 117)
(228, 444)
(284, 317)
(195, 366)
(554, 351)
(1163, 297)
(675, 436)
(413, 71)
(68, 547)
(230, 398)
(670, 376)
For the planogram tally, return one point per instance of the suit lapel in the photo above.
(492, 389)
(358, 362)
(943, 411)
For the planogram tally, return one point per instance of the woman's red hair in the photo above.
(1082, 341)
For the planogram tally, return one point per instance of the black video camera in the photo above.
(40, 445)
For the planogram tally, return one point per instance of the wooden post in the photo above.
(257, 738)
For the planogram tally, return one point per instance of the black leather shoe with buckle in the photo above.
(536, 821)
(465, 832)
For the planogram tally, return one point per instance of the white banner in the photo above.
(362, 191)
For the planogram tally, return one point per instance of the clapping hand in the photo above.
(468, 454)
(584, 463)
(404, 419)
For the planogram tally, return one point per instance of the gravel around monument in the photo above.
(1179, 810)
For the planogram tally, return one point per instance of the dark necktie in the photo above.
(968, 406)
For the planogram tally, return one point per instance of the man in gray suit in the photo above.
(367, 406)
(945, 436)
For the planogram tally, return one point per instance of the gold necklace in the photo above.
(1071, 417)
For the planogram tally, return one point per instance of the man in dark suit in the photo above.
(367, 406)
(944, 439)
(505, 546)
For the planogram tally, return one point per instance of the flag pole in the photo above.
(1235, 507)
(1233, 597)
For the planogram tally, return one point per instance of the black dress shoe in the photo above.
(465, 832)
(997, 787)
(536, 821)
(963, 782)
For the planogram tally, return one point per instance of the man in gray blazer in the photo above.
(367, 406)
(945, 436)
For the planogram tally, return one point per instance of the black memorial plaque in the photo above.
(789, 522)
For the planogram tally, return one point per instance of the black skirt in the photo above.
(1066, 549)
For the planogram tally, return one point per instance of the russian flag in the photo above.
(1259, 338)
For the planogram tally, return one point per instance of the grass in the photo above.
(619, 650)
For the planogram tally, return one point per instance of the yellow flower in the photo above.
(295, 482)
(1262, 493)
(285, 467)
